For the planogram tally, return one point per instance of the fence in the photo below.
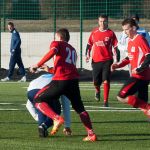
(37, 21)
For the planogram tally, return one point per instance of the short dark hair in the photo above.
(64, 33)
(11, 24)
(103, 16)
(129, 21)
(136, 16)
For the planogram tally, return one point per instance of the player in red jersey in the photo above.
(139, 59)
(100, 43)
(65, 81)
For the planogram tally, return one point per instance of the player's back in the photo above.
(64, 61)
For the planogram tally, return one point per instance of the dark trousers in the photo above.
(16, 59)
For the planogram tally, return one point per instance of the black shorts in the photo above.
(135, 86)
(101, 71)
(56, 88)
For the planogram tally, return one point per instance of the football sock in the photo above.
(84, 116)
(106, 91)
(137, 103)
(47, 110)
(97, 87)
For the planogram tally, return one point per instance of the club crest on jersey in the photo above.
(106, 38)
(133, 49)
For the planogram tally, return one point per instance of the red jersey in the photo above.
(101, 43)
(138, 48)
(64, 60)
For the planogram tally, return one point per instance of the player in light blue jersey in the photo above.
(43, 121)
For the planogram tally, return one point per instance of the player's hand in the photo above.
(87, 59)
(33, 68)
(45, 68)
(114, 67)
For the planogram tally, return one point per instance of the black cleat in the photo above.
(106, 104)
(42, 130)
(97, 96)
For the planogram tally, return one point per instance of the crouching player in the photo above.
(139, 58)
(43, 121)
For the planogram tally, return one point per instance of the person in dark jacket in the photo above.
(15, 51)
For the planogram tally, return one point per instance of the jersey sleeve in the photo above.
(144, 46)
(53, 50)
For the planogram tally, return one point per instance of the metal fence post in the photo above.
(81, 31)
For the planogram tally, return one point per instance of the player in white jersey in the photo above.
(43, 121)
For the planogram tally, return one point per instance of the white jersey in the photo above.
(143, 32)
(40, 82)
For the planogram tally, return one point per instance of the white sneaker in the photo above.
(23, 79)
(5, 79)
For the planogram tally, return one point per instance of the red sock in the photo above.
(97, 88)
(84, 116)
(46, 110)
(106, 91)
(137, 103)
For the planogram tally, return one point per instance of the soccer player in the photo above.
(101, 42)
(64, 82)
(123, 38)
(43, 121)
(15, 51)
(139, 59)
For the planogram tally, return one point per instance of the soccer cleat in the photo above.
(42, 131)
(5, 79)
(67, 131)
(57, 124)
(106, 104)
(146, 112)
(91, 138)
(23, 79)
(97, 96)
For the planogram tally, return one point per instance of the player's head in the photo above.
(135, 17)
(10, 26)
(103, 22)
(129, 26)
(62, 35)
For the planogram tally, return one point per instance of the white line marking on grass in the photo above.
(92, 110)
(6, 103)
(89, 110)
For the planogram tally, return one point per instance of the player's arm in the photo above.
(144, 65)
(117, 54)
(123, 63)
(17, 41)
(116, 50)
(53, 51)
(89, 47)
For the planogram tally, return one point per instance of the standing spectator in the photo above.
(64, 82)
(15, 51)
(100, 42)
(139, 59)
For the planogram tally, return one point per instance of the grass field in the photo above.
(118, 128)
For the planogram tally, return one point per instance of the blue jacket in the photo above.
(15, 42)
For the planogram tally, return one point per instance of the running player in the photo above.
(139, 59)
(65, 82)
